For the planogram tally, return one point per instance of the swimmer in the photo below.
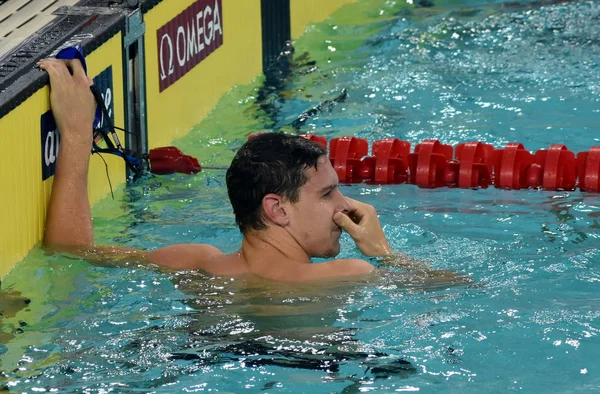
(284, 193)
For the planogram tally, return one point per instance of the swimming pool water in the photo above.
(454, 72)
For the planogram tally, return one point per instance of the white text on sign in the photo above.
(187, 39)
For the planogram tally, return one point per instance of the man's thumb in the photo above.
(344, 222)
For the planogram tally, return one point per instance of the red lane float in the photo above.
(470, 165)
(346, 155)
(428, 165)
(559, 168)
(475, 164)
(390, 161)
(433, 164)
(589, 170)
(511, 165)
(169, 159)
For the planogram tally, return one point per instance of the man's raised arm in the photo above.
(68, 221)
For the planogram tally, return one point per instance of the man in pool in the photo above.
(284, 192)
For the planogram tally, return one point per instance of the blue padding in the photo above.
(74, 50)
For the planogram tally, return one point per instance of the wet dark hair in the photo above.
(268, 163)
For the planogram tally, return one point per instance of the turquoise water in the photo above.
(531, 323)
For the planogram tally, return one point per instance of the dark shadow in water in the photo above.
(271, 95)
(328, 359)
(274, 92)
(302, 337)
(11, 302)
(326, 105)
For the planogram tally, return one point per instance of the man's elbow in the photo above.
(360, 267)
(76, 245)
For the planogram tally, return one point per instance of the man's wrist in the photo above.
(379, 251)
(77, 136)
(384, 250)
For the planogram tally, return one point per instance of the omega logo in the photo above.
(187, 39)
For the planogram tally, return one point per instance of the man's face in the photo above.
(311, 218)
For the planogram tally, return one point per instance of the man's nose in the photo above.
(343, 204)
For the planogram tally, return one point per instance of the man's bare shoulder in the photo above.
(184, 256)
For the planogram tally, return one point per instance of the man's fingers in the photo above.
(77, 68)
(59, 69)
(47, 66)
(57, 64)
(56, 69)
(345, 222)
(360, 210)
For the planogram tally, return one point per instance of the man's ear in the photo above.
(274, 209)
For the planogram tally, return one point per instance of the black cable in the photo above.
(115, 144)
(107, 175)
